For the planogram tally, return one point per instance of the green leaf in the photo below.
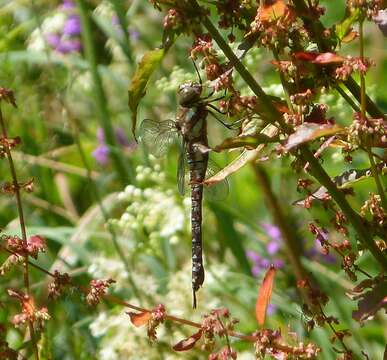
(137, 89)
(345, 26)
(311, 131)
(248, 141)
(244, 158)
(110, 31)
(230, 237)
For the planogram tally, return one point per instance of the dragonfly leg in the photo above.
(228, 126)
(216, 99)
(197, 72)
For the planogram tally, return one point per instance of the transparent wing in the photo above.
(181, 173)
(218, 191)
(157, 136)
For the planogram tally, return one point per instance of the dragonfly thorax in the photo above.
(189, 94)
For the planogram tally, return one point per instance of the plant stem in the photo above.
(105, 215)
(118, 301)
(376, 177)
(315, 168)
(283, 82)
(292, 244)
(362, 77)
(316, 29)
(363, 115)
(364, 234)
(120, 12)
(100, 96)
(293, 248)
(347, 98)
(16, 188)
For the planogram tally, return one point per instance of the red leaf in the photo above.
(328, 58)
(305, 55)
(352, 35)
(370, 302)
(244, 158)
(273, 11)
(188, 343)
(319, 58)
(310, 131)
(139, 319)
(264, 295)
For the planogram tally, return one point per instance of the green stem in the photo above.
(284, 85)
(347, 98)
(362, 77)
(364, 234)
(19, 205)
(315, 168)
(100, 96)
(316, 29)
(363, 114)
(119, 9)
(293, 248)
(375, 175)
(105, 215)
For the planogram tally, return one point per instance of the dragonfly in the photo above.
(190, 128)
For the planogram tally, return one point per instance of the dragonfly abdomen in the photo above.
(197, 165)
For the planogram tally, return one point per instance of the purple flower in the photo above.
(134, 34)
(102, 151)
(100, 135)
(121, 137)
(120, 134)
(53, 40)
(67, 4)
(273, 247)
(278, 263)
(260, 263)
(253, 256)
(272, 231)
(63, 46)
(72, 26)
(66, 46)
(101, 154)
(381, 20)
(271, 309)
(315, 253)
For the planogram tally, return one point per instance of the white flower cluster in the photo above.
(120, 340)
(274, 90)
(103, 267)
(177, 77)
(154, 213)
(252, 58)
(179, 296)
(105, 9)
(50, 25)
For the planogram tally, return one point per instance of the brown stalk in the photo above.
(16, 188)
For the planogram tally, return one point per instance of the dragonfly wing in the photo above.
(157, 136)
(181, 173)
(218, 191)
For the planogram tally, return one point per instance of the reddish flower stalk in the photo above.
(7, 95)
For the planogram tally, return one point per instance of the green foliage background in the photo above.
(58, 106)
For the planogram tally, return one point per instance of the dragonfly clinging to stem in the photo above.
(191, 127)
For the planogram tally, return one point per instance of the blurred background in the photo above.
(122, 217)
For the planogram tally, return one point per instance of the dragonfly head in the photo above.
(189, 93)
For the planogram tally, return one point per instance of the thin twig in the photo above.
(105, 215)
(16, 189)
(316, 169)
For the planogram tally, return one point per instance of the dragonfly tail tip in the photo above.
(193, 299)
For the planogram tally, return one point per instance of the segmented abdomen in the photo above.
(198, 165)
